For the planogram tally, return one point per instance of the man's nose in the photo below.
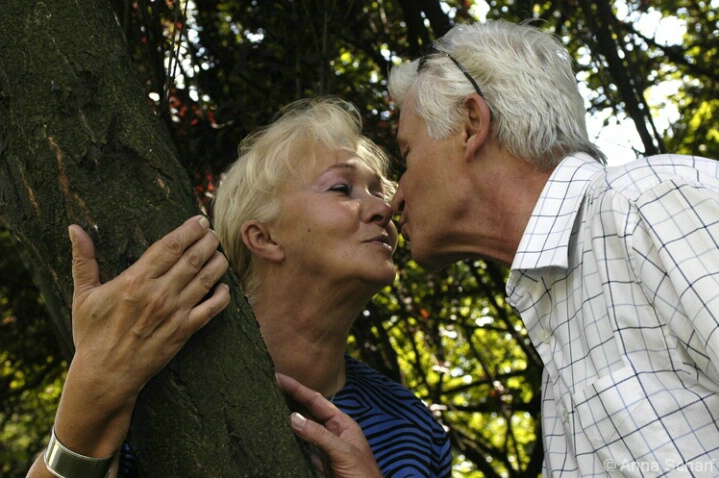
(398, 200)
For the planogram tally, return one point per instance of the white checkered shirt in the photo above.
(617, 281)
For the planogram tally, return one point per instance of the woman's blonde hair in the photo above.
(250, 188)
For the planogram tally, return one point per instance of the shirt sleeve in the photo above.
(679, 223)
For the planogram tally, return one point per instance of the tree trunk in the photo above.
(80, 144)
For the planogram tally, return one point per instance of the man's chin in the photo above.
(428, 259)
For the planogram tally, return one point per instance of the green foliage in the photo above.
(462, 350)
(31, 369)
(449, 335)
(630, 57)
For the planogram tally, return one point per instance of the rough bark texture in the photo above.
(79, 144)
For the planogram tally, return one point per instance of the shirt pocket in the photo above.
(615, 416)
(647, 424)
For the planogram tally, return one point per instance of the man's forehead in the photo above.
(404, 124)
(400, 125)
(401, 136)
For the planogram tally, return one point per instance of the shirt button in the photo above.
(565, 416)
(546, 337)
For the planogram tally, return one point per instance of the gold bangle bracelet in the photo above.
(65, 463)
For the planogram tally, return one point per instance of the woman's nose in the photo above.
(381, 211)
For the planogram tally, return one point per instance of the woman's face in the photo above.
(335, 223)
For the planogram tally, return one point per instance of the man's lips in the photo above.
(402, 228)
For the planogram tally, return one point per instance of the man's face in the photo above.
(425, 197)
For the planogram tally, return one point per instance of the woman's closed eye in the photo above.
(342, 188)
(380, 194)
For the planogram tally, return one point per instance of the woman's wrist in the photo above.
(93, 417)
(65, 463)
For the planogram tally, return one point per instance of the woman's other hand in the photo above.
(340, 439)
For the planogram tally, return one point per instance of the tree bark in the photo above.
(79, 143)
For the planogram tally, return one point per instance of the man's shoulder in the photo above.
(634, 178)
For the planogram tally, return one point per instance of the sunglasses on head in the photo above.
(432, 50)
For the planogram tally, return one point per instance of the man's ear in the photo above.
(476, 124)
(259, 240)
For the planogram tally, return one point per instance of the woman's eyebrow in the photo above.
(375, 178)
(343, 165)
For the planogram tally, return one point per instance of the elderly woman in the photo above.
(304, 219)
(303, 216)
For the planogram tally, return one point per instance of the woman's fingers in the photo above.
(85, 273)
(173, 248)
(163, 298)
(319, 407)
(201, 267)
(189, 264)
(335, 433)
(203, 312)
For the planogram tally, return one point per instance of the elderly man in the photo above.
(614, 271)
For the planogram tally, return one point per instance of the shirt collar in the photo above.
(545, 242)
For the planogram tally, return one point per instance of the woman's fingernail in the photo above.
(298, 421)
(71, 233)
(204, 222)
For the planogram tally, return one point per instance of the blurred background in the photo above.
(216, 70)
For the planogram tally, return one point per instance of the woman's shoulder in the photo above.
(370, 388)
(360, 372)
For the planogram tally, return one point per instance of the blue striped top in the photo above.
(406, 439)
